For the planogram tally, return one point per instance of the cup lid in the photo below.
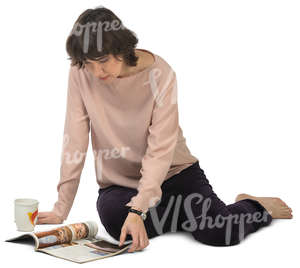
(26, 201)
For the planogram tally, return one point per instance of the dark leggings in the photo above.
(188, 204)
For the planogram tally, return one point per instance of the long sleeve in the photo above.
(161, 144)
(75, 145)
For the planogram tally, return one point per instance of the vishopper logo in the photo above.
(160, 94)
(71, 158)
(99, 27)
(203, 221)
(113, 153)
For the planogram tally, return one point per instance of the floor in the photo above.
(270, 246)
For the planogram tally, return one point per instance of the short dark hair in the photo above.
(82, 43)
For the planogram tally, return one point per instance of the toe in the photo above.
(287, 215)
(287, 212)
(280, 201)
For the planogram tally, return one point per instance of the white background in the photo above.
(237, 66)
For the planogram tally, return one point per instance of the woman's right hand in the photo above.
(48, 217)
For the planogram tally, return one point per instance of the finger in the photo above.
(47, 220)
(41, 221)
(143, 241)
(146, 240)
(42, 214)
(122, 236)
(135, 242)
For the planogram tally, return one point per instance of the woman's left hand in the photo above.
(134, 225)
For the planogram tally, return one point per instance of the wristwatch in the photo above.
(141, 213)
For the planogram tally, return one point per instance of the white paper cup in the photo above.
(26, 212)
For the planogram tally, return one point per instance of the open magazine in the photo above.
(74, 242)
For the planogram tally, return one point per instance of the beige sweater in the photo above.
(136, 138)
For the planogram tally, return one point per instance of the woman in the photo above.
(149, 182)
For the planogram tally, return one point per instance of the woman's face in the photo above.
(106, 67)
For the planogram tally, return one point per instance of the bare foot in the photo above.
(274, 205)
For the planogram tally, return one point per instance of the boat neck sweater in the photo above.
(136, 138)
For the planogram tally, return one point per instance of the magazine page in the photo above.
(61, 235)
(67, 234)
(76, 242)
(28, 238)
(85, 250)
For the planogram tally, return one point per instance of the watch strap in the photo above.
(142, 214)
